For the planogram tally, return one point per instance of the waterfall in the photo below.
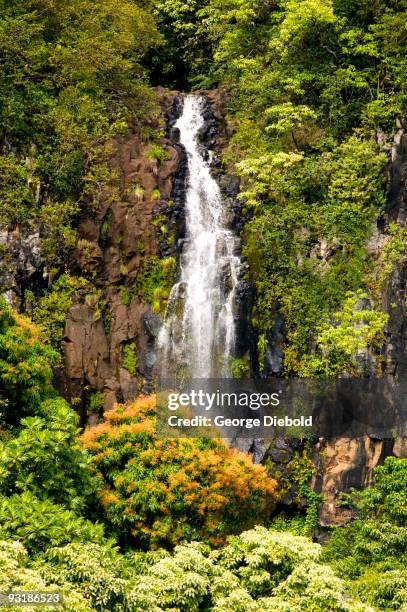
(198, 335)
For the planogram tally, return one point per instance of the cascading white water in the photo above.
(198, 334)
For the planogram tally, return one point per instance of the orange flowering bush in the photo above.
(25, 367)
(157, 492)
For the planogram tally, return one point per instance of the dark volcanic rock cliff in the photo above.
(121, 247)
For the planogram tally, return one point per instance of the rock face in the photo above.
(119, 247)
(347, 463)
(21, 268)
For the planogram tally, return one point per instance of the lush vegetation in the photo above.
(70, 77)
(372, 551)
(116, 517)
(87, 515)
(316, 87)
(160, 491)
(25, 367)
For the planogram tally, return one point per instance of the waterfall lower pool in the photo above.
(198, 334)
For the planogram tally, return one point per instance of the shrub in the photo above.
(353, 331)
(240, 368)
(156, 280)
(46, 458)
(53, 307)
(157, 152)
(96, 570)
(16, 194)
(161, 491)
(257, 570)
(40, 523)
(25, 366)
(16, 574)
(372, 551)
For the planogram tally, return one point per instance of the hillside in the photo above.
(203, 190)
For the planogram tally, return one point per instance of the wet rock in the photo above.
(259, 449)
(21, 268)
(152, 323)
(245, 338)
(274, 354)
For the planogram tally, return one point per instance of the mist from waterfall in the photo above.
(198, 334)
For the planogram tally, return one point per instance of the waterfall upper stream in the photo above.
(198, 334)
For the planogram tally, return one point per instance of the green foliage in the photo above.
(16, 194)
(295, 481)
(313, 225)
(46, 457)
(125, 296)
(96, 402)
(45, 483)
(70, 77)
(392, 253)
(18, 574)
(155, 281)
(96, 570)
(96, 299)
(240, 368)
(155, 194)
(39, 522)
(311, 85)
(258, 571)
(158, 153)
(372, 551)
(261, 350)
(355, 330)
(185, 48)
(25, 366)
(130, 361)
(53, 307)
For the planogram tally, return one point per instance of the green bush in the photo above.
(25, 367)
(155, 281)
(158, 153)
(130, 360)
(53, 307)
(46, 458)
(17, 574)
(353, 331)
(258, 570)
(372, 551)
(39, 523)
(240, 368)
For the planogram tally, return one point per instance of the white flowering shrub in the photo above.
(98, 571)
(17, 575)
(258, 571)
